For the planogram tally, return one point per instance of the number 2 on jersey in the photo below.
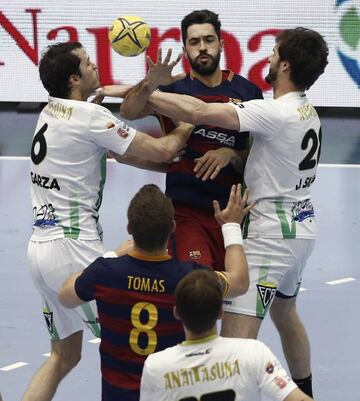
(309, 162)
(146, 328)
(39, 139)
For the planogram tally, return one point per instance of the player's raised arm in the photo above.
(159, 73)
(236, 269)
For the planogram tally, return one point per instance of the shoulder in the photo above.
(177, 86)
(244, 83)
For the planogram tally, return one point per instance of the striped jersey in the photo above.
(134, 296)
(181, 184)
(68, 167)
(281, 166)
(217, 369)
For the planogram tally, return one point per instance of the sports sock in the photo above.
(305, 385)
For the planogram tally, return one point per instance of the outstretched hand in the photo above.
(236, 208)
(159, 73)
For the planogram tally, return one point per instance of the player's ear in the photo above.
(184, 52)
(176, 313)
(221, 45)
(74, 80)
(129, 230)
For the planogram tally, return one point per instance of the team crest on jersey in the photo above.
(49, 321)
(266, 292)
(195, 254)
(110, 125)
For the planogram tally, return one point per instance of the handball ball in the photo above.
(129, 35)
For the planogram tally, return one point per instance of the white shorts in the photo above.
(51, 262)
(274, 265)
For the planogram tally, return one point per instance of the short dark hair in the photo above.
(198, 300)
(200, 17)
(150, 218)
(57, 64)
(306, 51)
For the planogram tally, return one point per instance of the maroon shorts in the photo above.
(197, 237)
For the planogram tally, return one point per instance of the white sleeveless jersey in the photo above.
(282, 164)
(68, 167)
(216, 368)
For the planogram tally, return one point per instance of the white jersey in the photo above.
(68, 167)
(216, 368)
(282, 163)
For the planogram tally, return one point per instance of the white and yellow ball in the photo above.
(129, 35)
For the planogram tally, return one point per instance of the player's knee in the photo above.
(282, 312)
(65, 360)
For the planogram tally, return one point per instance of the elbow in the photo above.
(165, 155)
(126, 113)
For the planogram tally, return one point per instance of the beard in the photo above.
(271, 77)
(205, 69)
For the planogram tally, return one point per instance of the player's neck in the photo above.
(212, 80)
(190, 336)
(156, 252)
(282, 87)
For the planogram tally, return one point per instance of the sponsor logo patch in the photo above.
(266, 292)
(122, 133)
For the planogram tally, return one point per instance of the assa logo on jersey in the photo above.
(221, 137)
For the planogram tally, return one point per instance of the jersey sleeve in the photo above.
(259, 117)
(86, 282)
(109, 132)
(271, 376)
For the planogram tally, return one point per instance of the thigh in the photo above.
(238, 325)
(269, 259)
(289, 285)
(51, 262)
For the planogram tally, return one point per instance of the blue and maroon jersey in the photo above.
(135, 298)
(181, 184)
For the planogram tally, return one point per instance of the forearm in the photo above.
(67, 295)
(236, 268)
(141, 163)
(135, 102)
(177, 107)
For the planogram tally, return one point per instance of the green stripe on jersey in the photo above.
(288, 230)
(74, 230)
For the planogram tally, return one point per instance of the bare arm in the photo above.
(236, 268)
(160, 149)
(195, 111)
(140, 162)
(67, 295)
(297, 395)
(159, 73)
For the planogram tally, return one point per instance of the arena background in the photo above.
(329, 302)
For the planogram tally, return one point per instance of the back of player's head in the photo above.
(56, 66)
(198, 300)
(200, 17)
(306, 51)
(150, 218)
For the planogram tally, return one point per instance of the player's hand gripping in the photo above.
(159, 73)
(210, 164)
(236, 208)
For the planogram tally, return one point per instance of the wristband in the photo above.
(232, 234)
